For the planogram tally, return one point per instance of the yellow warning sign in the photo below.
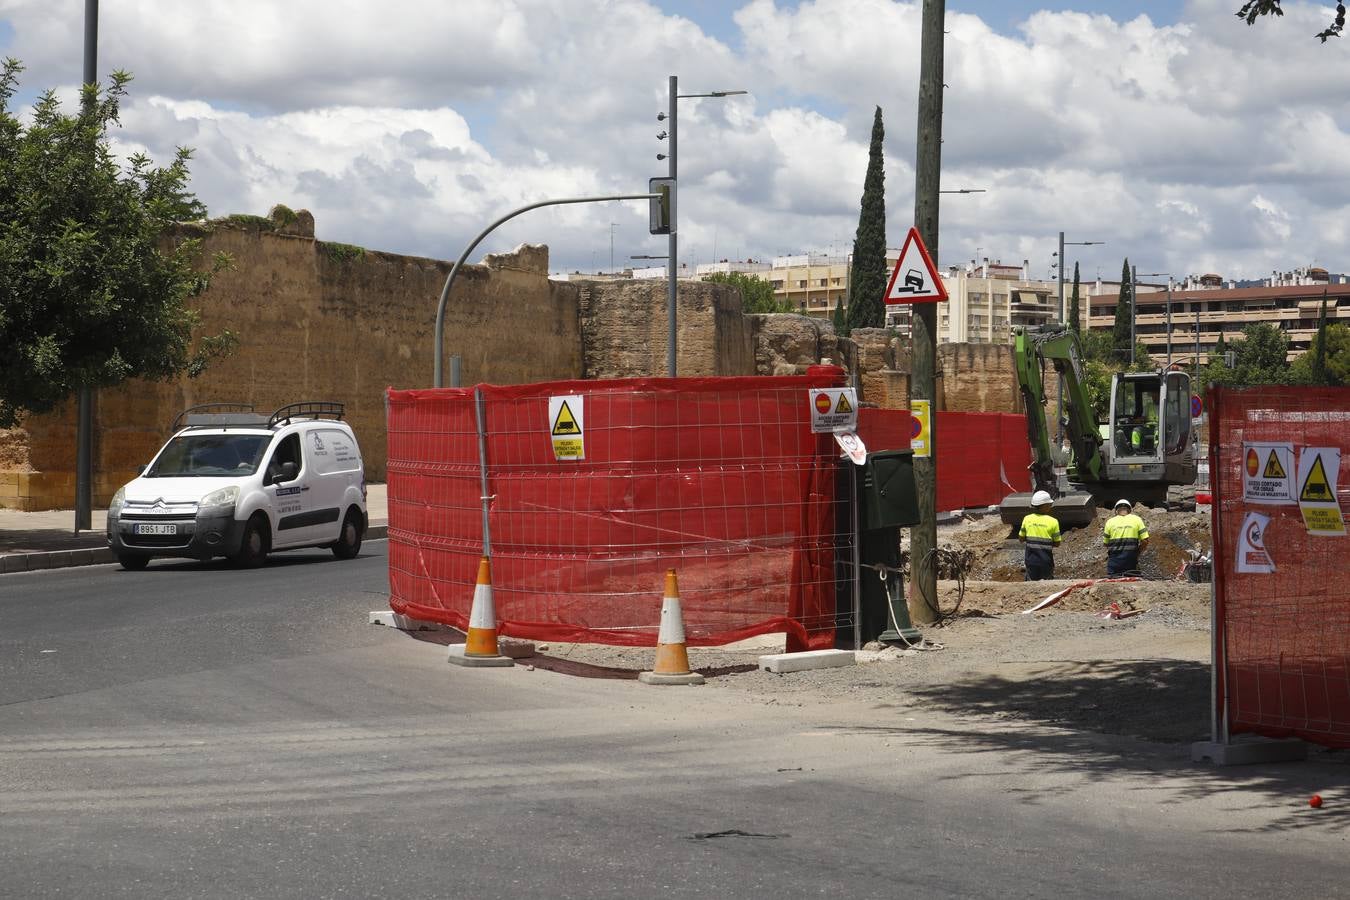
(1273, 467)
(564, 422)
(567, 427)
(1315, 486)
(843, 406)
(1318, 468)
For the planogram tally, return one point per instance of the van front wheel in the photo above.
(255, 544)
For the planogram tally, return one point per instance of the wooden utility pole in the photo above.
(923, 600)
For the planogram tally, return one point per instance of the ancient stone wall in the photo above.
(625, 327)
(315, 321)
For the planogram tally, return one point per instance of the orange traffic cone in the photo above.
(480, 647)
(672, 657)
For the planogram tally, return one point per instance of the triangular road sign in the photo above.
(1316, 489)
(565, 423)
(915, 278)
(843, 406)
(1273, 467)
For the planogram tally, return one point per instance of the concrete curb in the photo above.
(92, 556)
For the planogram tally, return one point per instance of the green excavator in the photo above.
(1145, 446)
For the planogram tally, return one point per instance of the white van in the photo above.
(238, 484)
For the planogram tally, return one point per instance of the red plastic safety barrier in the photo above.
(1283, 636)
(718, 478)
(982, 457)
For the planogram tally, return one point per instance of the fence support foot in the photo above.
(1246, 753)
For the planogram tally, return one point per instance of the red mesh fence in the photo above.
(719, 478)
(1282, 636)
(982, 457)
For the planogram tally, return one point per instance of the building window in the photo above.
(776, 285)
(801, 283)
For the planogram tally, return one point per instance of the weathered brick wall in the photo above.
(625, 328)
(321, 322)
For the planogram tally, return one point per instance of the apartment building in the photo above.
(1201, 308)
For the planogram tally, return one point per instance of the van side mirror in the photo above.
(288, 471)
(140, 470)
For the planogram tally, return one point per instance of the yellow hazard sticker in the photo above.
(567, 430)
(1273, 467)
(920, 435)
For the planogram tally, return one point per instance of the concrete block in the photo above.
(404, 623)
(515, 649)
(376, 532)
(457, 657)
(810, 659)
(39, 561)
(14, 562)
(1249, 752)
(654, 678)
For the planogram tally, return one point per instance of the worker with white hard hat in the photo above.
(1125, 536)
(1040, 533)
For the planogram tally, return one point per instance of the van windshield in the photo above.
(191, 455)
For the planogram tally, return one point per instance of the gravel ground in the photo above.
(1145, 676)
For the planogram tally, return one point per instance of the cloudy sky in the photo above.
(1171, 131)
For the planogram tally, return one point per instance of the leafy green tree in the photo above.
(756, 293)
(93, 290)
(1259, 357)
(1220, 348)
(1124, 311)
(1334, 346)
(1253, 9)
(867, 280)
(1075, 305)
(839, 318)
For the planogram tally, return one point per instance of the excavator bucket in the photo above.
(1073, 510)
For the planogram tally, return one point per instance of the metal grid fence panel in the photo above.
(718, 478)
(1283, 641)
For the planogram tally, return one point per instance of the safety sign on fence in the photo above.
(833, 410)
(1252, 556)
(1318, 468)
(566, 417)
(1268, 473)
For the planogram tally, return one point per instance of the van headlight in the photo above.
(218, 502)
(118, 501)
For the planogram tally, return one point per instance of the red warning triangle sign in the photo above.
(915, 278)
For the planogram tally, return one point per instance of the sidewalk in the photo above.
(46, 540)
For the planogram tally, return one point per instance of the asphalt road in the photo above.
(197, 731)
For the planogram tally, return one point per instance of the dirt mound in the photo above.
(1178, 599)
(997, 554)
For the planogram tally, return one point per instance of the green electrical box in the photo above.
(889, 499)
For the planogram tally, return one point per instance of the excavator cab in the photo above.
(1149, 432)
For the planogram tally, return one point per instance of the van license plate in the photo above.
(156, 529)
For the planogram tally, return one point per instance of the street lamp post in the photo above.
(673, 264)
(1135, 296)
(1060, 265)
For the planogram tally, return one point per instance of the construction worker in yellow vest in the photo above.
(1125, 536)
(1040, 532)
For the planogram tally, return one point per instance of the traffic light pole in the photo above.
(454, 270)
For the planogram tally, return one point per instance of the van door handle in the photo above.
(305, 488)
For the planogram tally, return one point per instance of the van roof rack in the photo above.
(308, 409)
(218, 415)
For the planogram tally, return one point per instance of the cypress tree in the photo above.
(1319, 363)
(867, 283)
(1120, 334)
(1075, 312)
(840, 320)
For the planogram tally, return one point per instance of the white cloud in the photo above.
(409, 125)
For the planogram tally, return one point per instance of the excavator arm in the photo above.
(1031, 351)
